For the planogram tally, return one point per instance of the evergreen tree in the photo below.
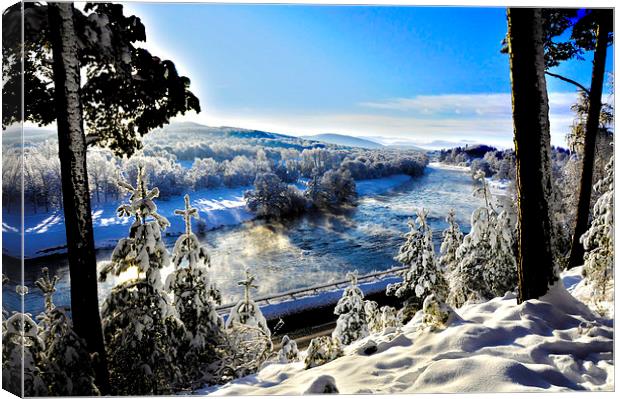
(389, 318)
(322, 350)
(288, 352)
(248, 337)
(22, 351)
(195, 298)
(598, 240)
(452, 239)
(380, 318)
(141, 329)
(373, 316)
(65, 362)
(467, 280)
(501, 269)
(485, 261)
(351, 324)
(423, 277)
(437, 314)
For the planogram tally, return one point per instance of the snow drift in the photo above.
(552, 344)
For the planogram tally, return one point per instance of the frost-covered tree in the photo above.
(437, 314)
(333, 189)
(141, 329)
(351, 324)
(195, 298)
(272, 198)
(373, 316)
(486, 265)
(381, 318)
(467, 281)
(389, 318)
(246, 311)
(22, 352)
(65, 362)
(500, 272)
(322, 350)
(598, 240)
(423, 276)
(248, 337)
(288, 352)
(452, 239)
(22, 349)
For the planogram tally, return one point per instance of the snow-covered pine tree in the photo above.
(322, 350)
(467, 280)
(288, 352)
(141, 329)
(65, 361)
(598, 241)
(22, 350)
(351, 324)
(389, 318)
(437, 314)
(423, 276)
(373, 316)
(486, 264)
(195, 299)
(246, 311)
(248, 342)
(500, 272)
(452, 239)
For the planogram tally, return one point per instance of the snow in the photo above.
(45, 232)
(555, 344)
(448, 166)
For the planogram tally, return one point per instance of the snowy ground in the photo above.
(45, 232)
(552, 344)
(449, 166)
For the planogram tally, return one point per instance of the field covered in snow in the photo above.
(553, 344)
(45, 232)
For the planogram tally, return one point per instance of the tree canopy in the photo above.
(126, 92)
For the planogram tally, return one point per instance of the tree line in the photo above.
(42, 176)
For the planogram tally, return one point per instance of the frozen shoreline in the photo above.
(45, 233)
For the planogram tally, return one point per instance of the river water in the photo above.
(313, 249)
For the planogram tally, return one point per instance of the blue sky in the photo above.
(391, 73)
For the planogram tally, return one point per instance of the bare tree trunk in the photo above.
(592, 128)
(78, 220)
(530, 110)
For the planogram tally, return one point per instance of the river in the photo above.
(313, 249)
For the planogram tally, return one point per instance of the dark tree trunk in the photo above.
(530, 110)
(592, 128)
(72, 153)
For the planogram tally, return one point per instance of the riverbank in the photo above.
(45, 232)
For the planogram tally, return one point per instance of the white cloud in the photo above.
(479, 117)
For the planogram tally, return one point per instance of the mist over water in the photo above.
(313, 249)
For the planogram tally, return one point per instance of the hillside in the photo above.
(344, 140)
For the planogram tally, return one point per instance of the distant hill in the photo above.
(13, 135)
(344, 140)
(187, 131)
